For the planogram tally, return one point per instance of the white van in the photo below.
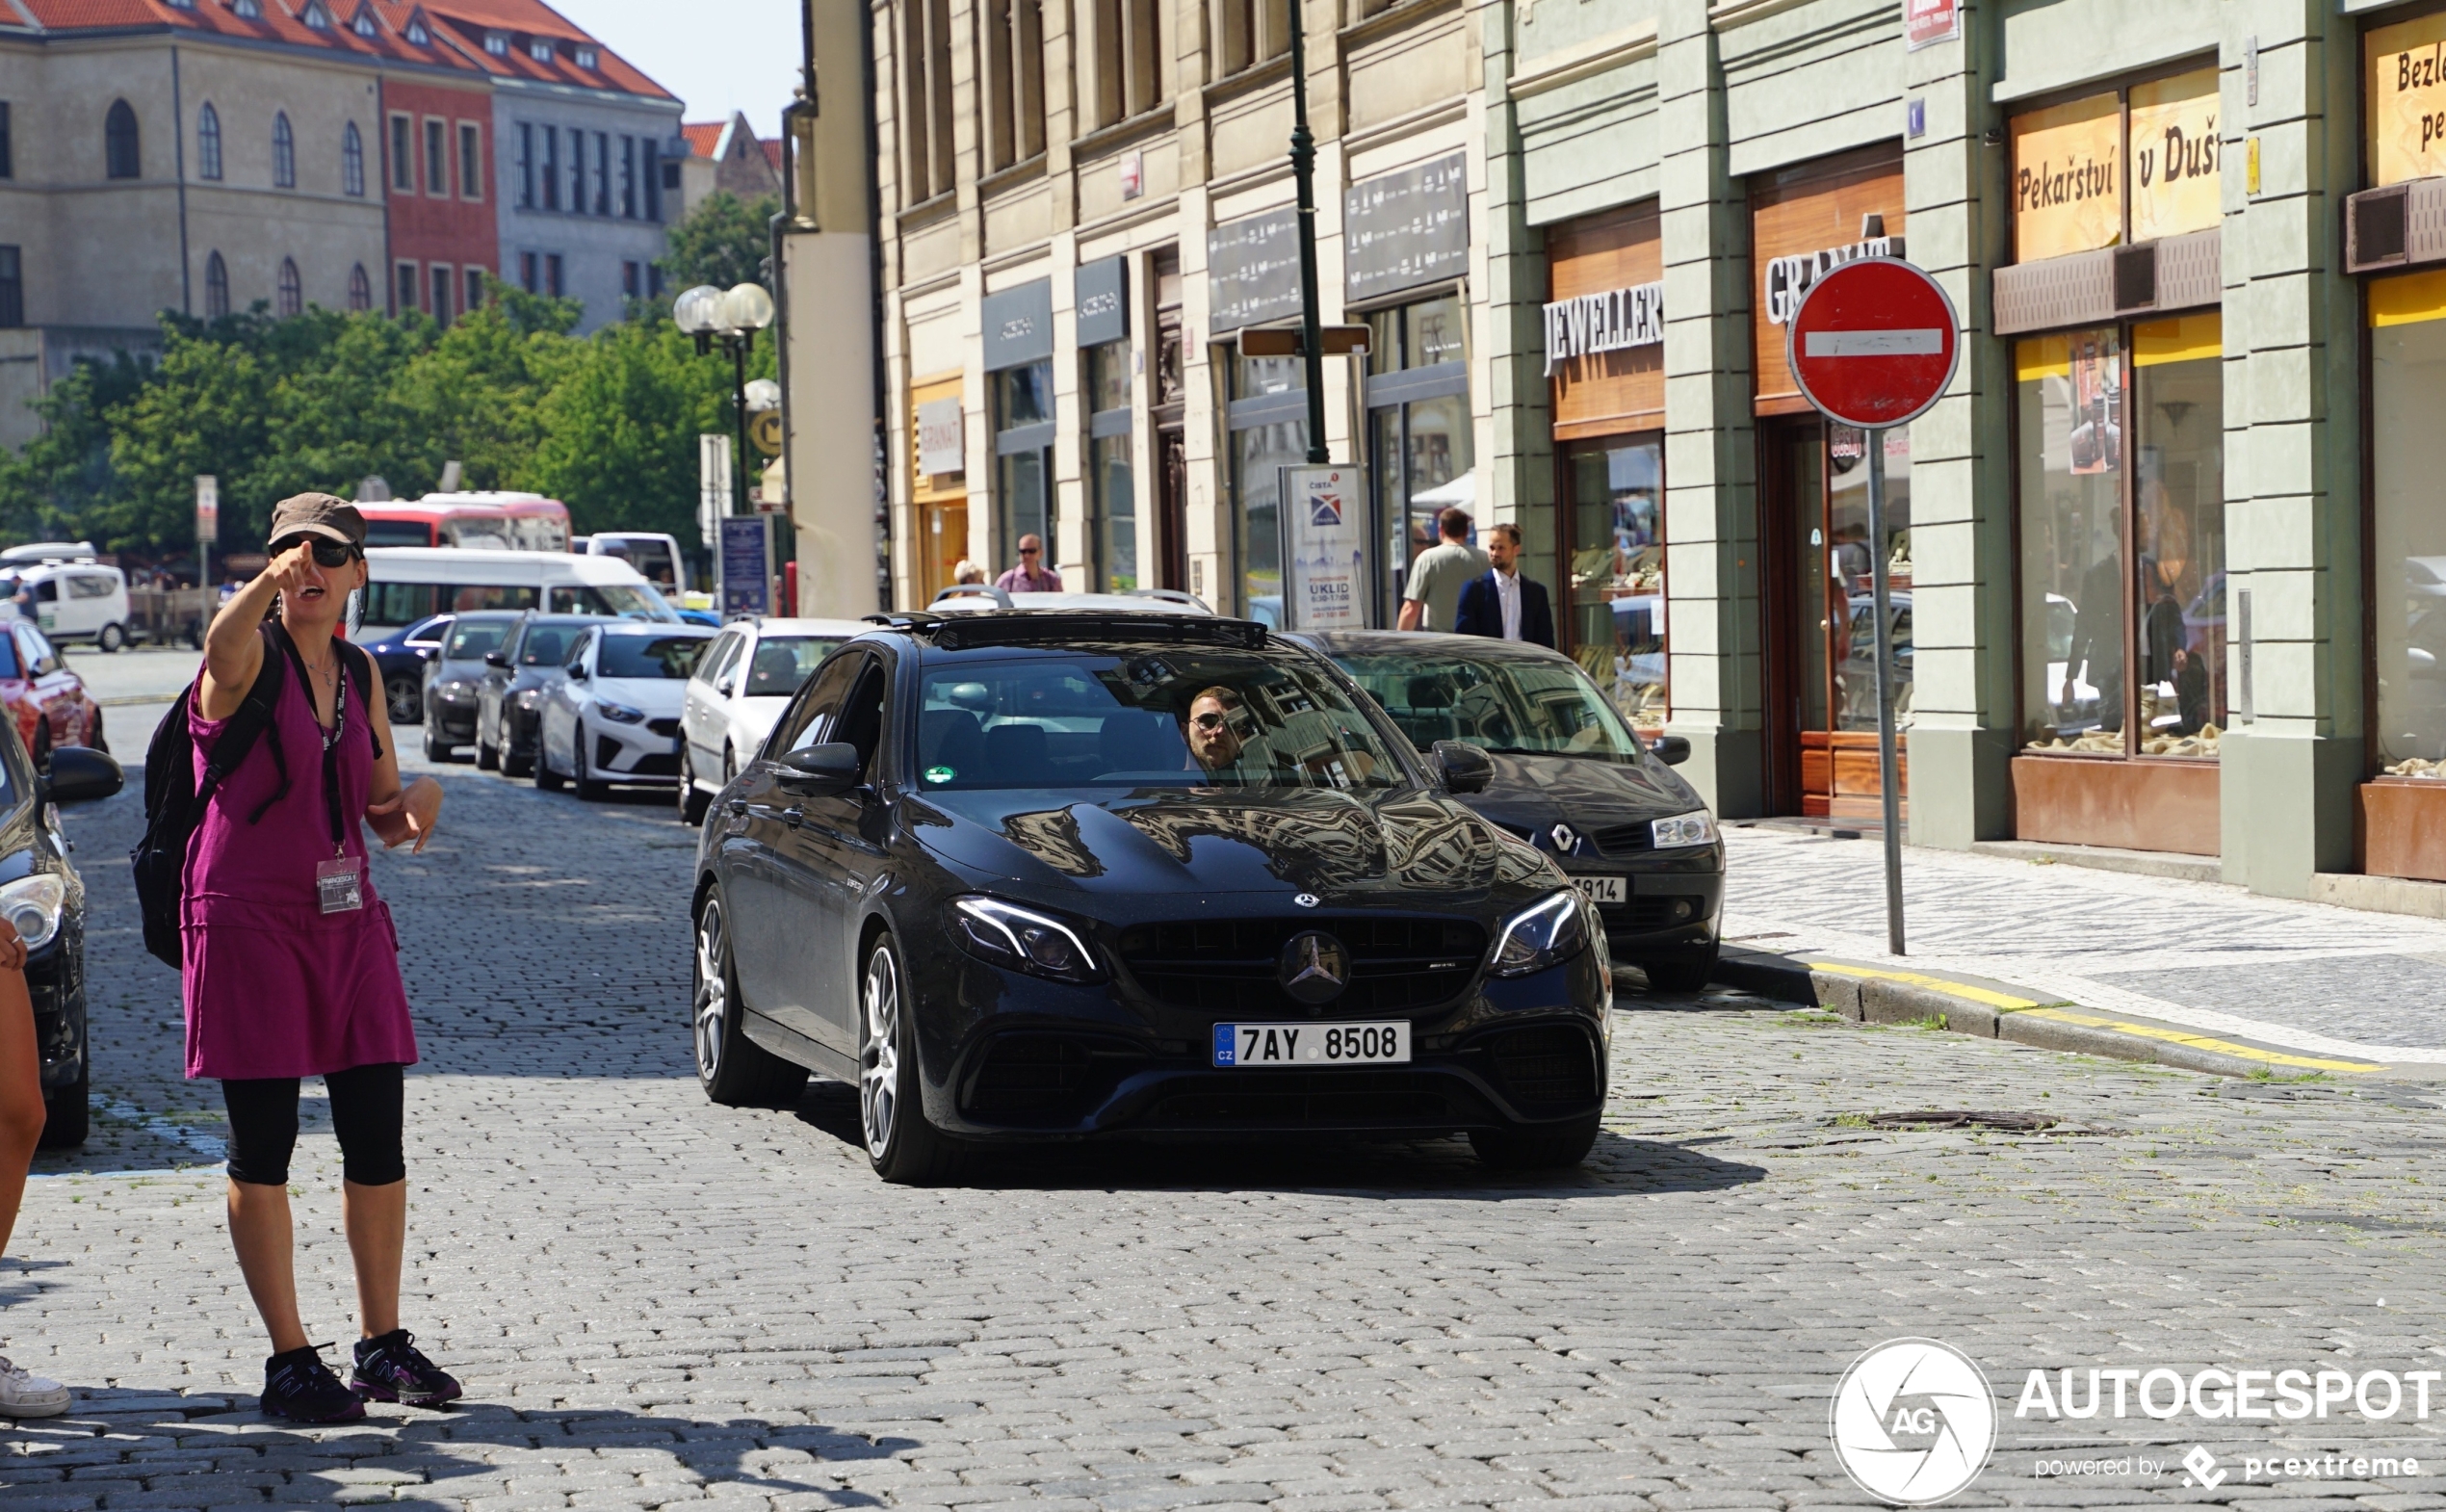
(409, 584)
(657, 556)
(69, 600)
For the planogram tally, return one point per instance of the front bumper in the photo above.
(644, 753)
(452, 720)
(1005, 1056)
(1672, 905)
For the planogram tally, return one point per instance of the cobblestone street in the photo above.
(654, 1300)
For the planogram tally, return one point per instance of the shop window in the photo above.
(2123, 540)
(2407, 590)
(1112, 486)
(1614, 496)
(1268, 418)
(1419, 435)
(1014, 57)
(1024, 461)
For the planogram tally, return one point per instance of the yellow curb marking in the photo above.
(2005, 1003)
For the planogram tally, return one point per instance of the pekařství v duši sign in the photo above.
(1612, 321)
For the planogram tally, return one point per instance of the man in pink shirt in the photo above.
(1030, 576)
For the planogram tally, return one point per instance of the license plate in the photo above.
(1600, 889)
(1312, 1044)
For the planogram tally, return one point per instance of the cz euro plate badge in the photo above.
(1312, 1044)
(1600, 889)
(339, 883)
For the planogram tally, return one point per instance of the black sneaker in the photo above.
(299, 1387)
(391, 1369)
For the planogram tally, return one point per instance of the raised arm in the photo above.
(233, 647)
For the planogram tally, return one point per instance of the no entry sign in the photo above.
(1874, 342)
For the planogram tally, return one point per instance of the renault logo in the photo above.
(1565, 840)
(1314, 967)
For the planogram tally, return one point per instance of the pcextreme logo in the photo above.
(1913, 1422)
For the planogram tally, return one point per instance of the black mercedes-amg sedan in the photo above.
(1060, 875)
(1570, 778)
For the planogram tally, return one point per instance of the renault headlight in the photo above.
(1023, 939)
(619, 712)
(34, 905)
(1546, 934)
(1695, 828)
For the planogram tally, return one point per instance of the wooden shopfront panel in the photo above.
(1800, 213)
(1611, 392)
(938, 501)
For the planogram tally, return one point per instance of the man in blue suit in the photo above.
(1505, 604)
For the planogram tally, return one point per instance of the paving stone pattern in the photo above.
(656, 1302)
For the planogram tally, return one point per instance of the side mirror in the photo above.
(829, 768)
(1671, 749)
(577, 674)
(496, 658)
(80, 775)
(1465, 768)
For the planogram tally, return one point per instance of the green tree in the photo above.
(724, 242)
(63, 476)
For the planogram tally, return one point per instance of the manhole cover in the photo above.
(1960, 1118)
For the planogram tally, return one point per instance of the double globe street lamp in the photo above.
(732, 318)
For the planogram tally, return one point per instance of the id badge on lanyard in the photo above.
(339, 879)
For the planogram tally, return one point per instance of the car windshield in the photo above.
(1191, 717)
(472, 643)
(547, 646)
(782, 662)
(671, 657)
(1521, 705)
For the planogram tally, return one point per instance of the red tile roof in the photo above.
(524, 19)
(703, 136)
(772, 150)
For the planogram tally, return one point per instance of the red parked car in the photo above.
(45, 699)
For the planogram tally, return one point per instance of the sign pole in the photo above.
(1888, 759)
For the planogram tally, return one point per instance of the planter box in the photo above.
(2400, 823)
(2130, 805)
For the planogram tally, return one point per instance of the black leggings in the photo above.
(367, 1107)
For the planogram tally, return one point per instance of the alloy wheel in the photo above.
(879, 1060)
(712, 990)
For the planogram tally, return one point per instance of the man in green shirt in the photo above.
(1433, 594)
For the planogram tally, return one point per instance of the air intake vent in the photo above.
(2136, 277)
(2375, 225)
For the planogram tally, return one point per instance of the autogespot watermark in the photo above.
(1914, 1422)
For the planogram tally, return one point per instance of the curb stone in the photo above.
(1970, 1006)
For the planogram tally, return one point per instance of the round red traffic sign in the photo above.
(1873, 343)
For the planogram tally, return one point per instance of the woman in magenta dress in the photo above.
(292, 966)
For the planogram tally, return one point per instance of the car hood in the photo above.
(653, 694)
(1533, 793)
(1411, 848)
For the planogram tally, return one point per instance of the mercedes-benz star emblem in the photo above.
(1565, 839)
(1314, 967)
(1307, 899)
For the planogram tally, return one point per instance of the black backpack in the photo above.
(175, 801)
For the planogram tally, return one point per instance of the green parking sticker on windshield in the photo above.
(940, 774)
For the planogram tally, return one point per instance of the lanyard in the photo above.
(331, 738)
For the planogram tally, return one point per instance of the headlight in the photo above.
(1023, 939)
(1684, 829)
(1547, 934)
(34, 905)
(619, 712)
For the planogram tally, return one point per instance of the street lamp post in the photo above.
(732, 318)
(1304, 175)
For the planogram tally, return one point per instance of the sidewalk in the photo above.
(2328, 985)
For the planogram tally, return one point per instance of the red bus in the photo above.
(499, 521)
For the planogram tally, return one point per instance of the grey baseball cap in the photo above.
(327, 515)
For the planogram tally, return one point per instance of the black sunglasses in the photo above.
(327, 552)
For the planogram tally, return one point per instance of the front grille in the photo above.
(1621, 840)
(1231, 966)
(607, 750)
(1304, 1100)
(1654, 912)
(1030, 1079)
(1546, 1065)
(669, 727)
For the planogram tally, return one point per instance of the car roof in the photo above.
(1394, 642)
(508, 615)
(844, 628)
(976, 598)
(656, 627)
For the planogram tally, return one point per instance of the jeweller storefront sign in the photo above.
(1615, 320)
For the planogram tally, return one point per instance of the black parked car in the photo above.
(401, 658)
(454, 679)
(1570, 778)
(515, 679)
(43, 896)
(1054, 874)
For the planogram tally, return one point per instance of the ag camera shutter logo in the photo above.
(1913, 1422)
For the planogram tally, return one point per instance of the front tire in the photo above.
(902, 1146)
(1551, 1149)
(487, 757)
(589, 790)
(513, 765)
(438, 750)
(734, 1070)
(406, 700)
(113, 640)
(1688, 975)
(65, 1113)
(692, 802)
(546, 778)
